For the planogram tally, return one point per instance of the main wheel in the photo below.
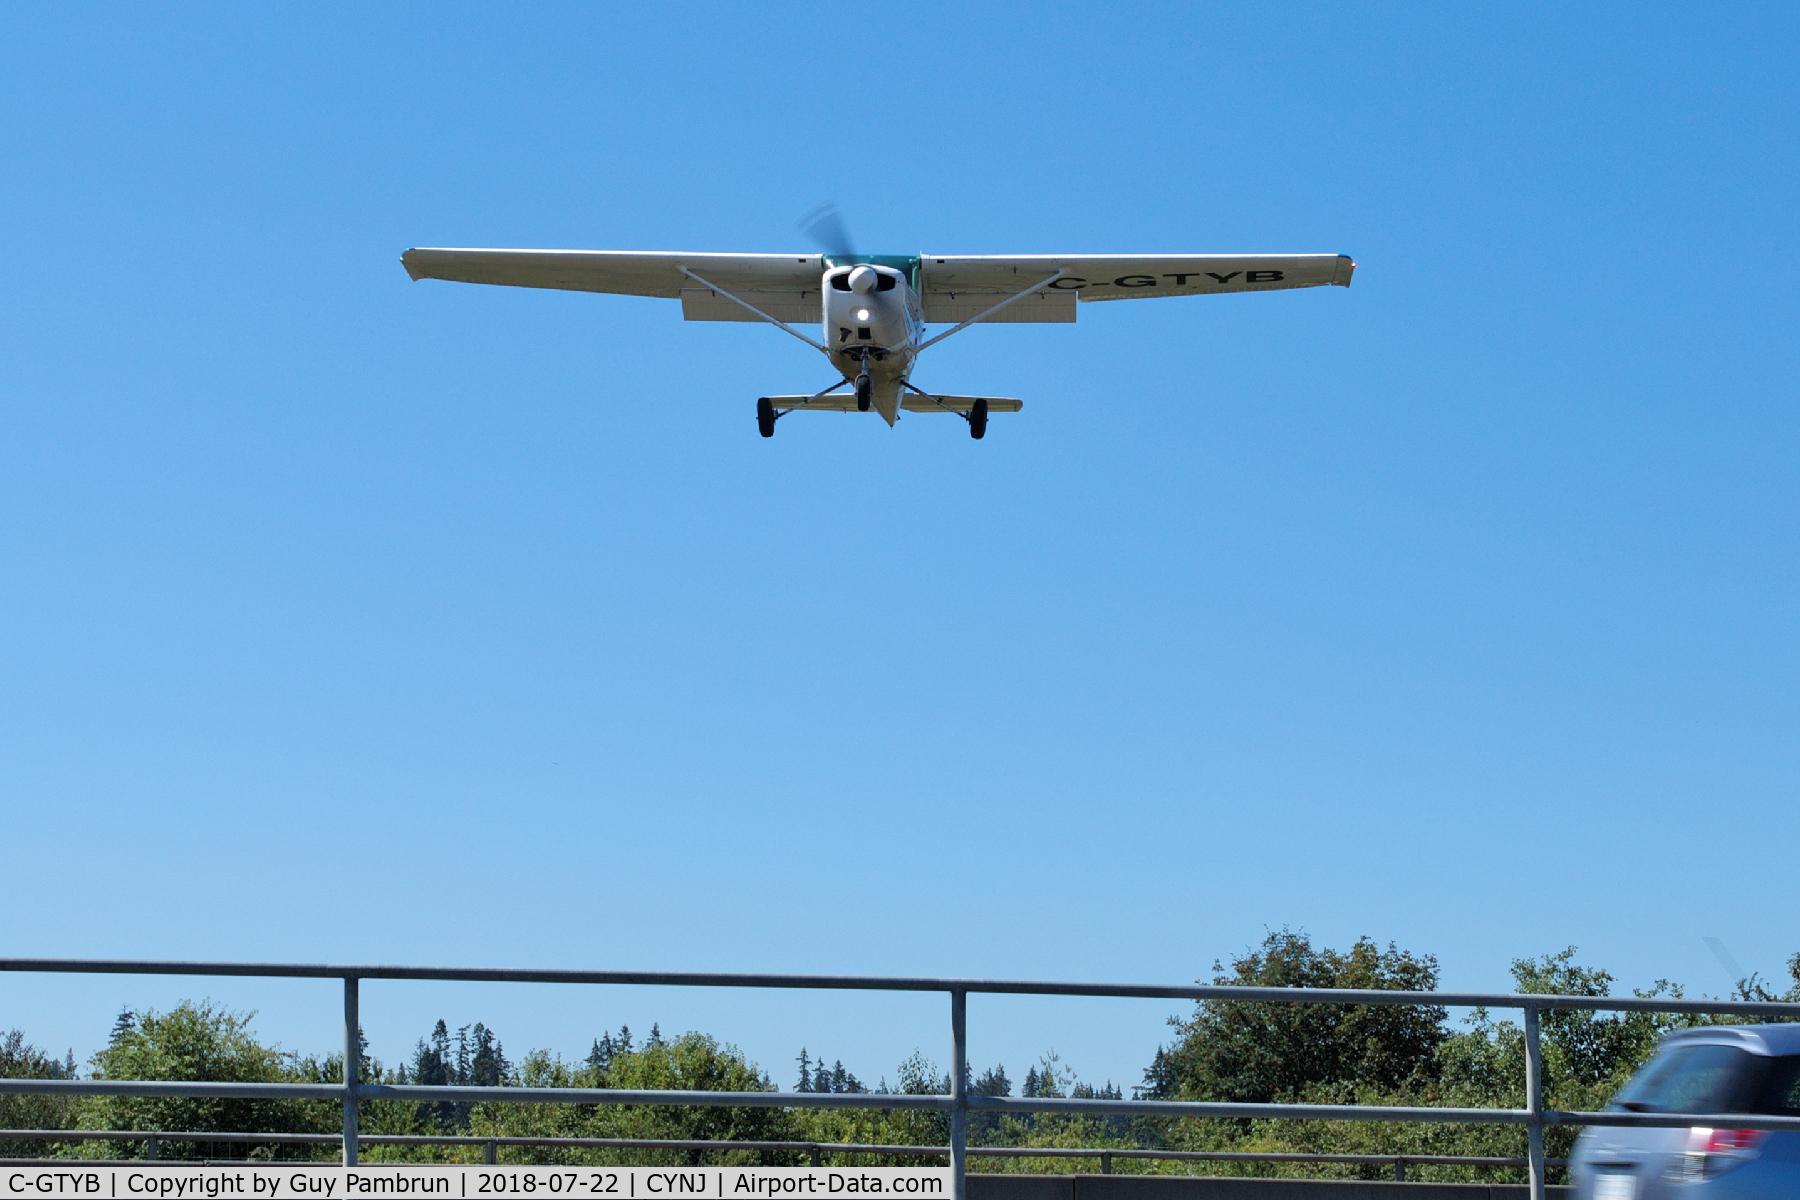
(765, 417)
(978, 419)
(863, 387)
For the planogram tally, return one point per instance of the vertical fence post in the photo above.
(489, 1152)
(150, 1146)
(1534, 1101)
(352, 1067)
(959, 1095)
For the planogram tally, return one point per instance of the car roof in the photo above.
(1779, 1040)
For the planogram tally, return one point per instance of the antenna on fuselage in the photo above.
(824, 224)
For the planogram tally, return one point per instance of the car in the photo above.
(1715, 1069)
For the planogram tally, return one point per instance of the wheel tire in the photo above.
(863, 387)
(978, 419)
(765, 417)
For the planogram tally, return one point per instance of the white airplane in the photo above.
(875, 308)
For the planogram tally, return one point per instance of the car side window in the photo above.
(1689, 1079)
(1781, 1088)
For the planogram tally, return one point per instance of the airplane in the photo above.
(874, 309)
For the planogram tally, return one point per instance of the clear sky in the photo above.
(344, 618)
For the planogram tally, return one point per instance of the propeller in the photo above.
(1739, 980)
(824, 224)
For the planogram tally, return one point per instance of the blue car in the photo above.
(1718, 1069)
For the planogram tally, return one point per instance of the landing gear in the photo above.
(978, 414)
(863, 387)
(765, 417)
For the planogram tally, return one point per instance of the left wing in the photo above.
(622, 272)
(1129, 276)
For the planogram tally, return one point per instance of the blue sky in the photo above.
(344, 618)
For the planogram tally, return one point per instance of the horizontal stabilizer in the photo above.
(846, 402)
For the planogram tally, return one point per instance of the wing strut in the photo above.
(782, 325)
(984, 312)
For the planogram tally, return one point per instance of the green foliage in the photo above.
(919, 1076)
(1587, 1056)
(197, 1042)
(1264, 1052)
(817, 1077)
(1754, 988)
(1342, 1054)
(691, 1062)
(19, 1060)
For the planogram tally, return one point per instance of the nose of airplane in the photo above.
(862, 280)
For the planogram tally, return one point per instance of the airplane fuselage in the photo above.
(873, 314)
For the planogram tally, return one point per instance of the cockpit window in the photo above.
(1691, 1079)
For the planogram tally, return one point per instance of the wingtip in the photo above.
(406, 261)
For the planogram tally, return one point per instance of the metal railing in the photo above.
(1535, 1117)
(815, 1151)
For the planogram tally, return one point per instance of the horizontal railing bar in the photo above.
(1240, 1112)
(504, 1095)
(408, 1139)
(1650, 1120)
(887, 1100)
(185, 1089)
(422, 1093)
(1356, 996)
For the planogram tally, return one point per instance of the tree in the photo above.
(606, 1046)
(1587, 1056)
(198, 1042)
(1753, 988)
(431, 1067)
(691, 1062)
(20, 1060)
(1262, 1051)
(488, 1065)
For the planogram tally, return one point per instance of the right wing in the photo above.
(622, 272)
(956, 288)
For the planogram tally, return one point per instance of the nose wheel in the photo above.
(864, 386)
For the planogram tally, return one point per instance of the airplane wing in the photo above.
(846, 402)
(952, 282)
(621, 272)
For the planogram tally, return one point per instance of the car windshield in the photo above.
(1688, 1079)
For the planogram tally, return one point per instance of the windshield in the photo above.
(1689, 1079)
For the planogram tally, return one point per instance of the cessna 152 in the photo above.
(875, 308)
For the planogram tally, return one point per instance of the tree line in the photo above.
(1222, 1051)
